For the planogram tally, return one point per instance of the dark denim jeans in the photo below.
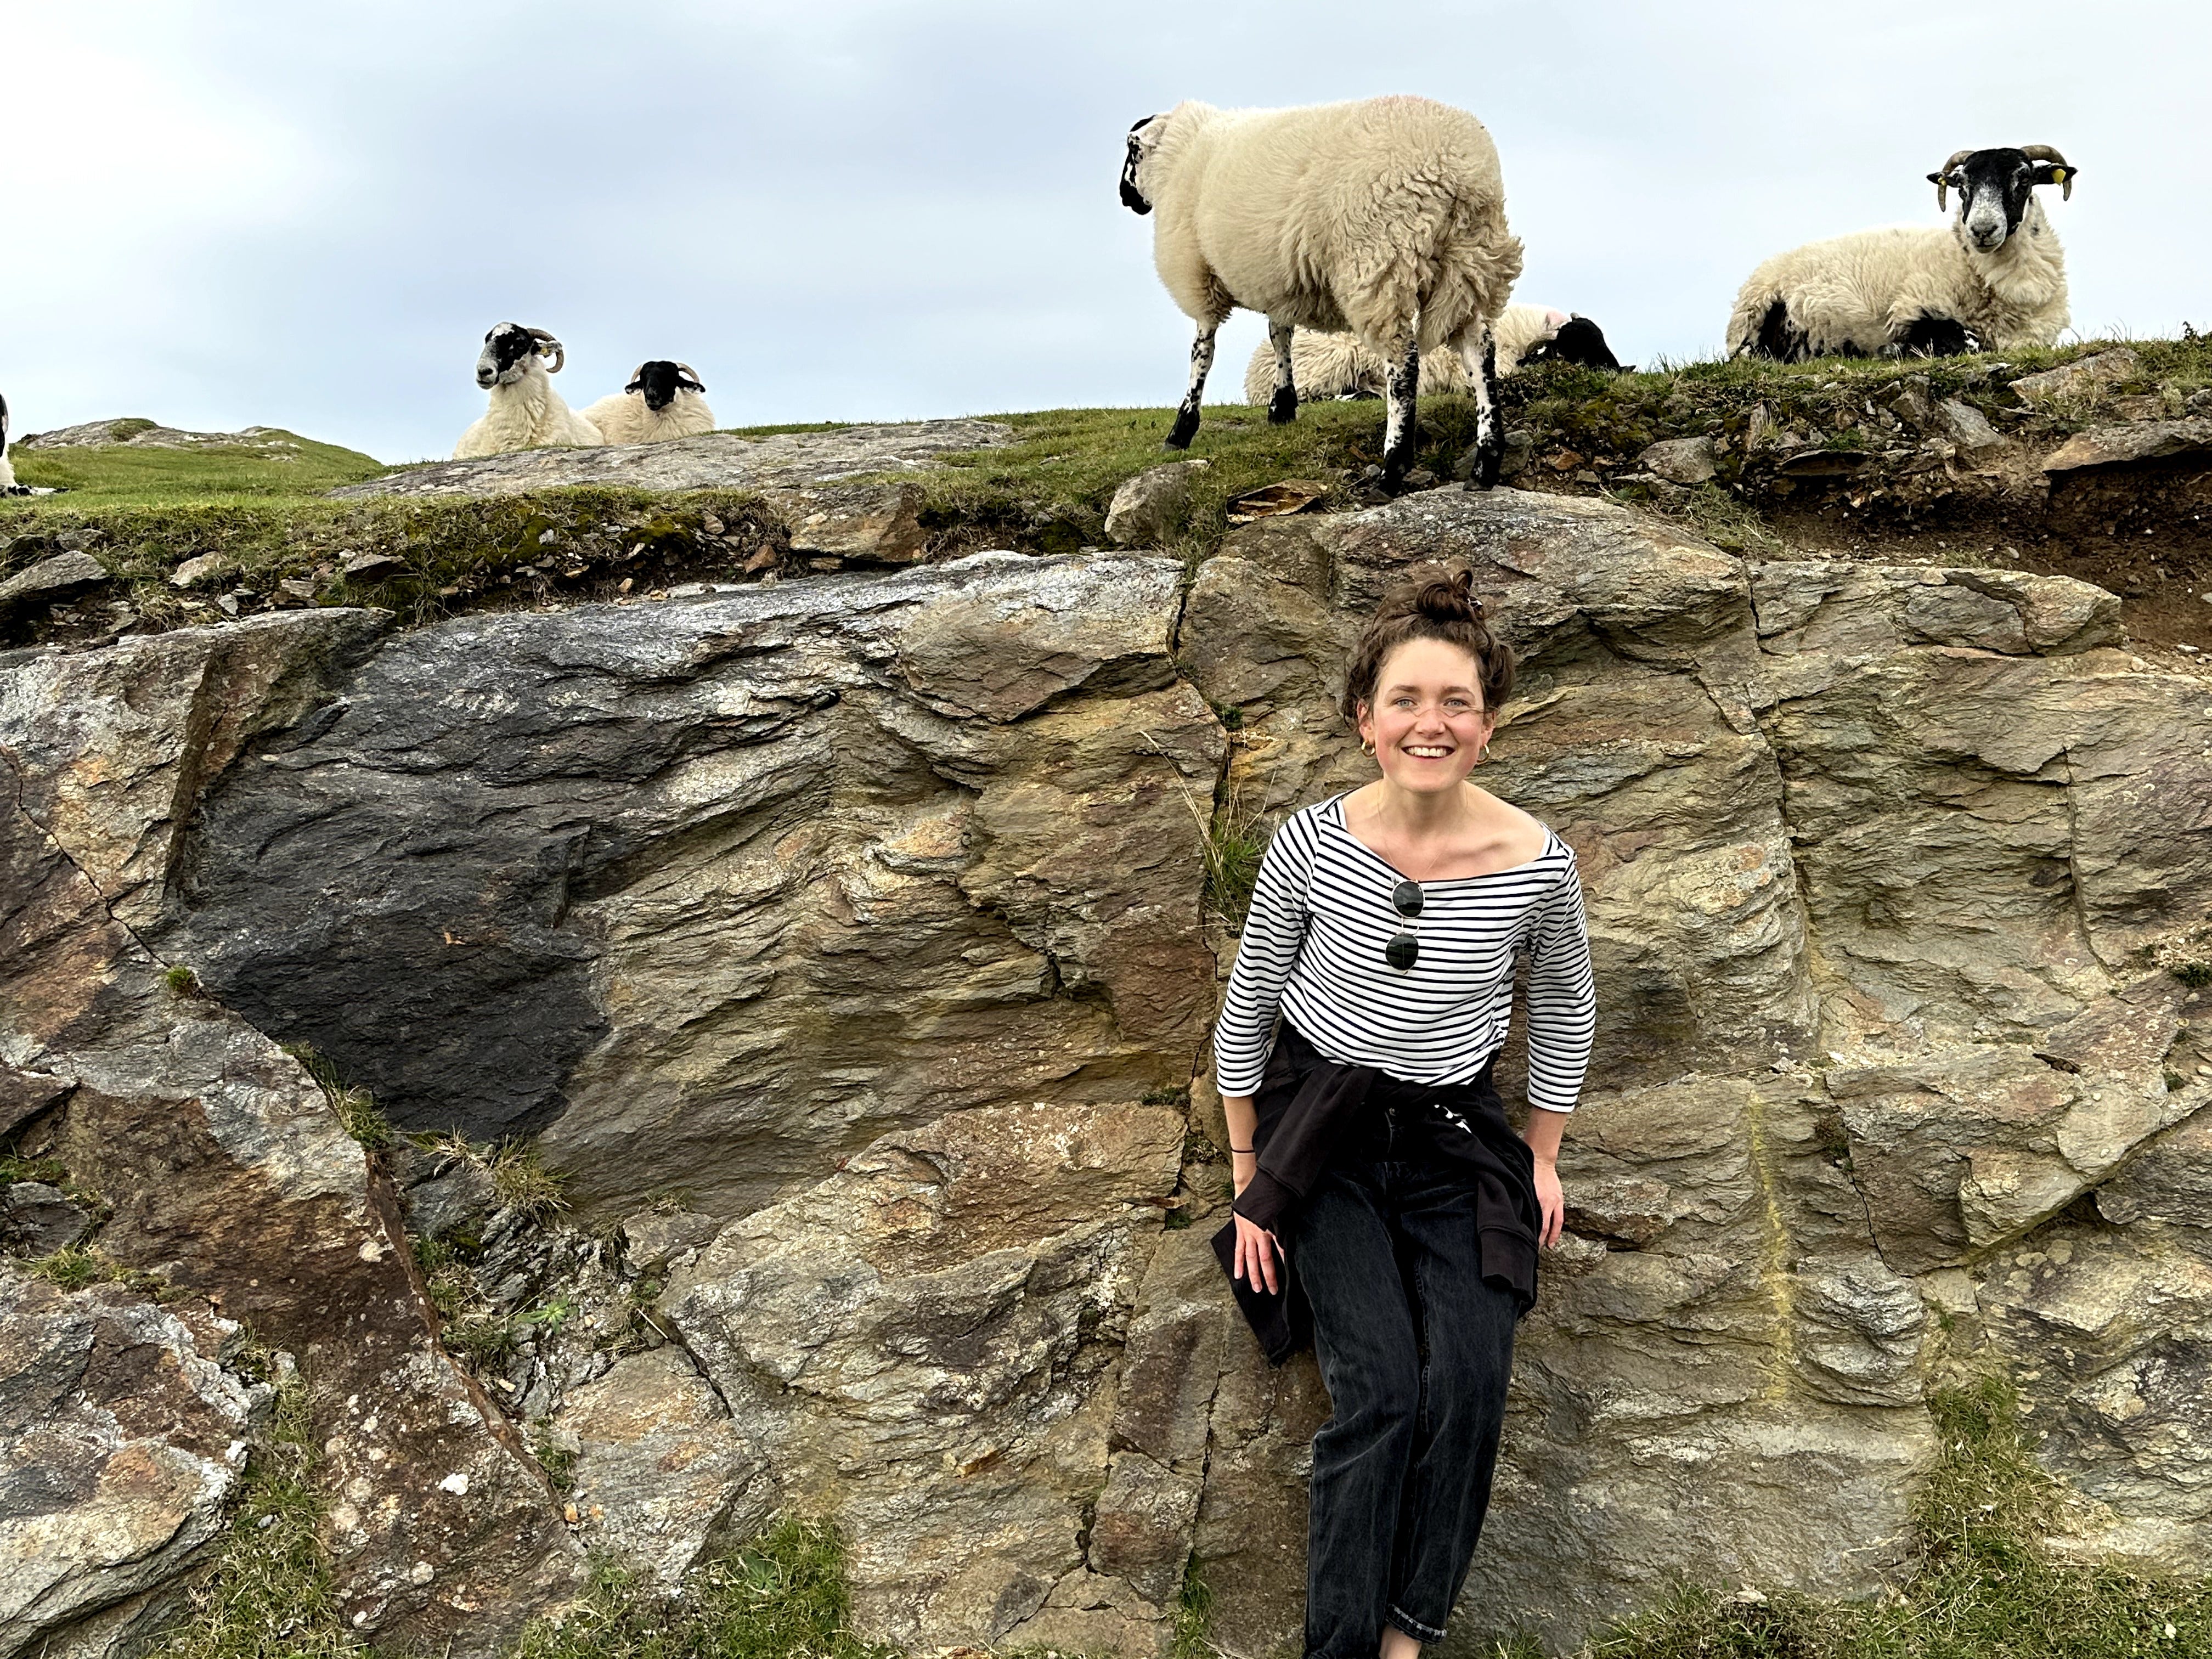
(1416, 1350)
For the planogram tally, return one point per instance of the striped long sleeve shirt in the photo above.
(1312, 951)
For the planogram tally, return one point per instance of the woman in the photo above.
(1375, 1175)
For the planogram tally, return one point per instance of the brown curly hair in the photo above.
(1442, 608)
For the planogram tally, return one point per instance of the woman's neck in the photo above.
(1419, 815)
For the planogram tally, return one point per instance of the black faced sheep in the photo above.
(663, 400)
(526, 412)
(1995, 279)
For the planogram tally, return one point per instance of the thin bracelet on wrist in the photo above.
(1243, 1152)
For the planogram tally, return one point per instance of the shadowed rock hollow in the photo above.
(846, 940)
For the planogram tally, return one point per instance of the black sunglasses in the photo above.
(1404, 948)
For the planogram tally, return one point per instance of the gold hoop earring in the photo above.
(1483, 756)
(1367, 749)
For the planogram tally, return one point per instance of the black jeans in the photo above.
(1416, 1350)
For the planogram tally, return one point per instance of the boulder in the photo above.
(50, 581)
(868, 524)
(2131, 443)
(662, 1474)
(125, 1436)
(2085, 377)
(859, 851)
(788, 460)
(1680, 460)
(923, 1345)
(1149, 506)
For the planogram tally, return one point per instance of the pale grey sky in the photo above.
(227, 212)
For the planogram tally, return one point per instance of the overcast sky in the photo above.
(307, 216)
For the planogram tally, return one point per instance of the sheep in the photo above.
(525, 411)
(661, 401)
(7, 484)
(1384, 217)
(1325, 365)
(1994, 280)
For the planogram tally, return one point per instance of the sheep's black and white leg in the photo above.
(1401, 389)
(1477, 353)
(1283, 407)
(1201, 364)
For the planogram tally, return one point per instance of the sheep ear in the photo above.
(2059, 173)
(1941, 181)
(636, 380)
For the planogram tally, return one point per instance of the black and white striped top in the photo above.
(1312, 949)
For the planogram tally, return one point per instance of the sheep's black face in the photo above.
(1995, 187)
(507, 349)
(1578, 341)
(1132, 197)
(658, 381)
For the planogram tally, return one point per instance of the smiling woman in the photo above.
(1381, 1193)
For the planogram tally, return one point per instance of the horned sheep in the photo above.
(526, 412)
(1995, 279)
(663, 400)
(1326, 366)
(1384, 218)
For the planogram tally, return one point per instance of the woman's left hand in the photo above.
(1551, 1200)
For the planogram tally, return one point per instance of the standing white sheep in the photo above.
(526, 412)
(1995, 278)
(1326, 366)
(663, 400)
(1383, 218)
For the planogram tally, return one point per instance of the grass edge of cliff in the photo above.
(266, 536)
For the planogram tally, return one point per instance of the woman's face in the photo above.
(1427, 723)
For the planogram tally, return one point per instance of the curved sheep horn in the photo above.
(1942, 177)
(2062, 170)
(692, 375)
(547, 344)
(636, 380)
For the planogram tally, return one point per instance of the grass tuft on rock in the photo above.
(357, 1109)
(782, 1597)
(1986, 1587)
(268, 1596)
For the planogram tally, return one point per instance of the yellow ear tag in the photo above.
(2058, 175)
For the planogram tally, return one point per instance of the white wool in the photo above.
(1325, 365)
(1859, 293)
(623, 418)
(1382, 218)
(7, 469)
(526, 413)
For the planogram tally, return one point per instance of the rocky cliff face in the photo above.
(845, 941)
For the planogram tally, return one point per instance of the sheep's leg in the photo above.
(1400, 387)
(1478, 355)
(1201, 364)
(1283, 407)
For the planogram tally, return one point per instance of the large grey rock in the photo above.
(1680, 460)
(924, 1344)
(1148, 507)
(661, 1474)
(124, 1437)
(2085, 377)
(718, 460)
(1922, 828)
(49, 581)
(2131, 443)
(716, 891)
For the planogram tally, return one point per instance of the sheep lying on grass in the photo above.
(663, 400)
(1326, 366)
(526, 412)
(1383, 218)
(1994, 280)
(7, 484)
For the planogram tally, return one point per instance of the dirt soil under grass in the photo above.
(1913, 462)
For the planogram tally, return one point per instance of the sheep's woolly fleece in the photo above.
(1324, 366)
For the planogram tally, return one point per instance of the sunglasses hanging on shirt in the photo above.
(1404, 948)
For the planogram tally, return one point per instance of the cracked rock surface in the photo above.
(831, 936)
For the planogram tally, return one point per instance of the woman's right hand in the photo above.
(1259, 1252)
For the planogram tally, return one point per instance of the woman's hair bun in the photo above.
(1448, 599)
